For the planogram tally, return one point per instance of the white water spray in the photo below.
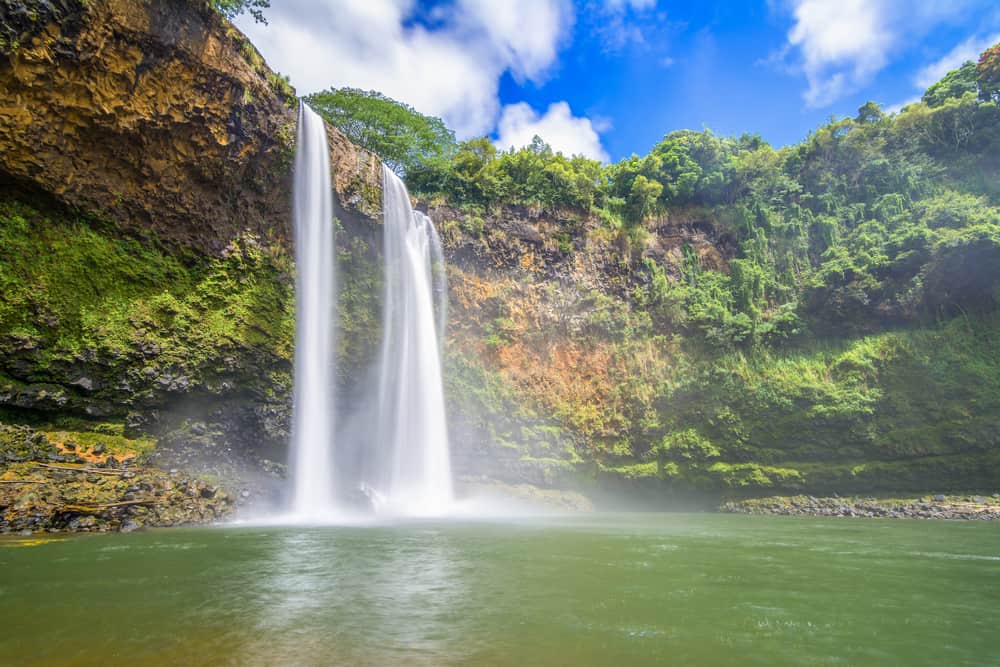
(313, 496)
(410, 472)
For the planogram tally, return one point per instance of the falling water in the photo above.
(312, 418)
(411, 470)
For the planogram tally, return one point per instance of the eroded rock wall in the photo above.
(159, 116)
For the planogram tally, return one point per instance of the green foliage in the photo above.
(988, 74)
(402, 137)
(233, 8)
(904, 410)
(481, 176)
(71, 288)
(955, 84)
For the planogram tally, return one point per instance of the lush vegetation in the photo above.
(870, 222)
(233, 8)
(717, 314)
(403, 138)
(73, 289)
(849, 340)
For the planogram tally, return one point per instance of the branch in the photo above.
(96, 508)
(96, 471)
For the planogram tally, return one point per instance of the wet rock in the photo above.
(81, 522)
(130, 526)
(208, 491)
(83, 382)
(98, 449)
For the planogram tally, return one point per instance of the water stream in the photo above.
(410, 472)
(312, 453)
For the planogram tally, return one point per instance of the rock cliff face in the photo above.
(159, 116)
(146, 278)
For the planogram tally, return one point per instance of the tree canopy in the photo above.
(988, 71)
(404, 138)
(867, 221)
(954, 84)
(233, 8)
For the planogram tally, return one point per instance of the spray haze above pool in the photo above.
(406, 471)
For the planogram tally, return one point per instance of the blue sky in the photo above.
(608, 78)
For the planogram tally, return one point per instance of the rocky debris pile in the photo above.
(49, 487)
(974, 507)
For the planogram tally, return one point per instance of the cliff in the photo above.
(147, 309)
(158, 116)
(146, 277)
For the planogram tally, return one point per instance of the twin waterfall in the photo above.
(407, 471)
(311, 460)
(412, 467)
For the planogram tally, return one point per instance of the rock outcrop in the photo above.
(158, 116)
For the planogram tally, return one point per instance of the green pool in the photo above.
(612, 589)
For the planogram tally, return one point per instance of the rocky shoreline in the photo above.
(47, 485)
(953, 507)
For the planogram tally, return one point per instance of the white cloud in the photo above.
(564, 132)
(451, 70)
(968, 49)
(963, 51)
(525, 33)
(621, 5)
(842, 44)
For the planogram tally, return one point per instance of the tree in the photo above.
(404, 138)
(954, 84)
(988, 74)
(642, 198)
(233, 8)
(869, 113)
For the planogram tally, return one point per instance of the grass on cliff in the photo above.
(913, 409)
(71, 289)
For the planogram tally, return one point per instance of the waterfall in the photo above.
(410, 472)
(311, 460)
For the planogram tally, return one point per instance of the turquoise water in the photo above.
(630, 589)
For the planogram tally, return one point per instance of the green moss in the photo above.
(358, 306)
(117, 445)
(76, 289)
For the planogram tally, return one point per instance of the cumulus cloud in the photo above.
(451, 69)
(968, 49)
(564, 132)
(841, 45)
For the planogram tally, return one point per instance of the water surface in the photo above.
(631, 589)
